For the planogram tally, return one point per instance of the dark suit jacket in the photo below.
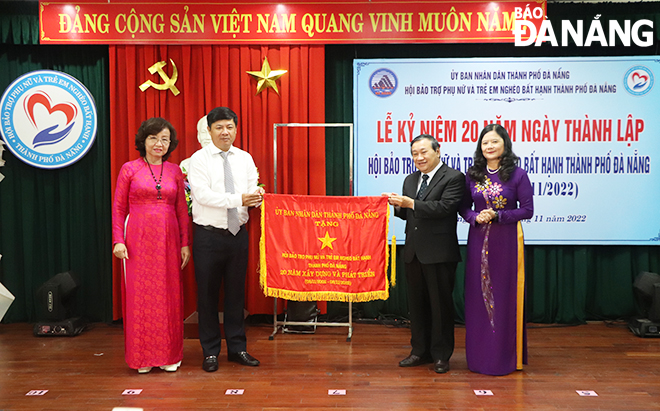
(431, 226)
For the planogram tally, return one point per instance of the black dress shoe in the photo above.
(441, 367)
(243, 358)
(413, 360)
(210, 363)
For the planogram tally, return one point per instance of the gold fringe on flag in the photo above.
(387, 249)
(262, 247)
(327, 295)
(393, 264)
(393, 248)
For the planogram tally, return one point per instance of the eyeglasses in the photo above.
(154, 140)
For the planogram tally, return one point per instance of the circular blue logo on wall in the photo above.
(48, 119)
(638, 80)
(383, 82)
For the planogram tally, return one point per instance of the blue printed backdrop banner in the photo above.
(586, 131)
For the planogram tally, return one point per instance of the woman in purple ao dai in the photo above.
(498, 196)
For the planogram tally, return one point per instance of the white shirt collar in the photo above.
(216, 150)
(432, 172)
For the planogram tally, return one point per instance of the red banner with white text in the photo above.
(269, 22)
(317, 248)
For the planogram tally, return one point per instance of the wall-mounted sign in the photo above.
(586, 130)
(48, 119)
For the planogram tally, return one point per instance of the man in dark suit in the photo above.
(429, 203)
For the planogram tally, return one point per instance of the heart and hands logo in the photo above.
(53, 121)
(638, 80)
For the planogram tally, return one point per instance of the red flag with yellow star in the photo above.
(316, 248)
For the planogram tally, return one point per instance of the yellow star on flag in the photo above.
(266, 77)
(327, 241)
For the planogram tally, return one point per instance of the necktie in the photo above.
(423, 187)
(233, 225)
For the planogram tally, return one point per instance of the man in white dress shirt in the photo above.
(223, 181)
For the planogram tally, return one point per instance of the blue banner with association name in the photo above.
(586, 131)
